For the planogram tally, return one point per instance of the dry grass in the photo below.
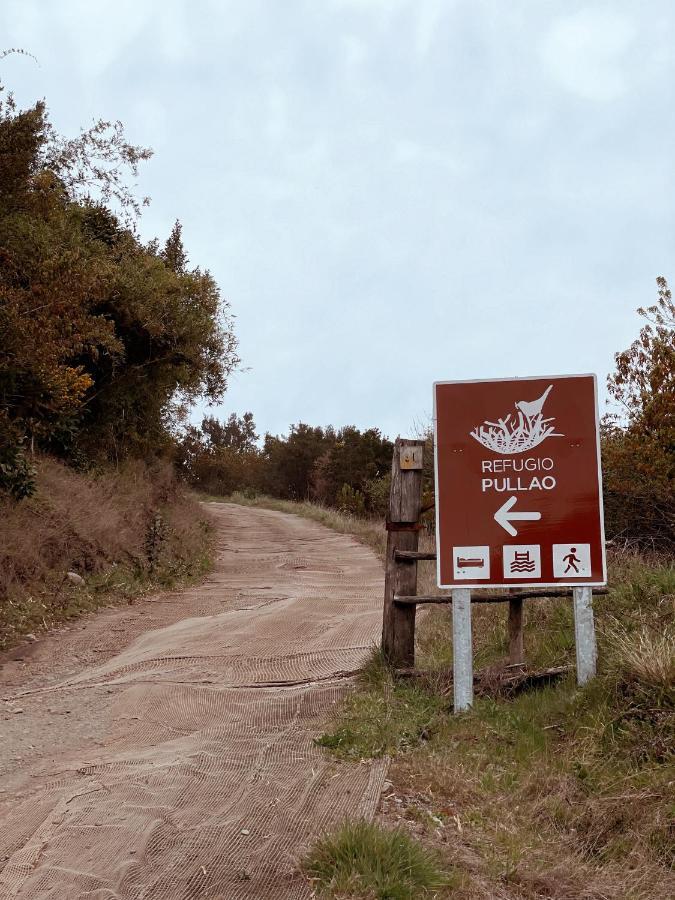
(559, 793)
(643, 657)
(123, 531)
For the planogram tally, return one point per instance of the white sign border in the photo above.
(601, 511)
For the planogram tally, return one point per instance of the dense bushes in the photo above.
(347, 469)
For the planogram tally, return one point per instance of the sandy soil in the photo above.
(165, 750)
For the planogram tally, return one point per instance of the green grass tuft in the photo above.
(383, 716)
(366, 862)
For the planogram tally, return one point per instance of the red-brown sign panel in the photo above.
(518, 485)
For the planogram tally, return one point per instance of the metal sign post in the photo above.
(518, 501)
(584, 634)
(462, 650)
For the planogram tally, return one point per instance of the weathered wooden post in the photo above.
(516, 650)
(405, 502)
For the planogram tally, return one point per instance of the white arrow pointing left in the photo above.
(504, 516)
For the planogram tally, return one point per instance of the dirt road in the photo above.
(165, 750)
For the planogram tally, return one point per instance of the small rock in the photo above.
(31, 637)
(19, 709)
(245, 831)
(387, 786)
(74, 578)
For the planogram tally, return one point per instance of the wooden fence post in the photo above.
(405, 501)
(516, 650)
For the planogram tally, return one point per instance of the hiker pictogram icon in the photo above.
(571, 560)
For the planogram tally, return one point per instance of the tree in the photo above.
(221, 457)
(355, 459)
(289, 461)
(237, 433)
(105, 338)
(638, 444)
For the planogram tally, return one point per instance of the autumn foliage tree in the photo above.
(104, 338)
(638, 442)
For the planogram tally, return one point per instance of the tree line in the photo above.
(349, 469)
(345, 468)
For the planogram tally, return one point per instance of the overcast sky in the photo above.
(389, 192)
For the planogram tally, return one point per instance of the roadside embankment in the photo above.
(119, 531)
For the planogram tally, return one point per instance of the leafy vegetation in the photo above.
(638, 443)
(105, 339)
(346, 469)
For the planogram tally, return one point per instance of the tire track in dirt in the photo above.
(166, 750)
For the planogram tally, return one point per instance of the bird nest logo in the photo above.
(518, 433)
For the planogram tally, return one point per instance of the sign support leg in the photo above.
(584, 634)
(462, 655)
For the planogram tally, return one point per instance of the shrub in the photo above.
(361, 860)
(350, 501)
(17, 474)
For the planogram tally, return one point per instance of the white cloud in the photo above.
(429, 16)
(355, 51)
(408, 152)
(586, 52)
(277, 114)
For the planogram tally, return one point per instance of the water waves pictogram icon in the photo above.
(522, 563)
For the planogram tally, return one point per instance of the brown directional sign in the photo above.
(518, 484)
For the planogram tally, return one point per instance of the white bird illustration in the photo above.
(532, 408)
